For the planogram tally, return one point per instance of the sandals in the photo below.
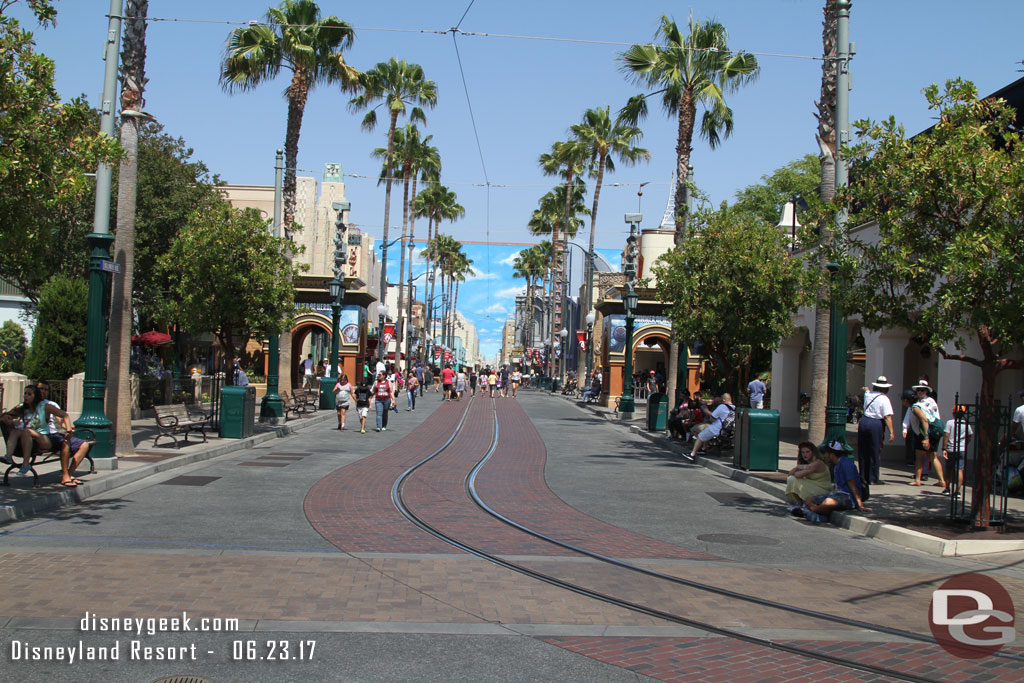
(915, 483)
(70, 483)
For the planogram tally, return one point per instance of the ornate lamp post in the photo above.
(591, 317)
(626, 405)
(408, 316)
(336, 288)
(272, 407)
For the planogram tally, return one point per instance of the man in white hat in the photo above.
(870, 431)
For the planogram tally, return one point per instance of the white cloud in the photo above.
(510, 259)
(496, 308)
(509, 292)
(478, 274)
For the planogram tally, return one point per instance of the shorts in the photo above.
(343, 406)
(363, 410)
(447, 388)
(918, 442)
(957, 459)
(56, 440)
(75, 443)
(842, 499)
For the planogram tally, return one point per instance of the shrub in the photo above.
(58, 342)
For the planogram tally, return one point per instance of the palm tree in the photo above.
(687, 71)
(133, 59)
(398, 86)
(462, 268)
(443, 250)
(605, 138)
(409, 152)
(531, 265)
(436, 203)
(296, 38)
(826, 190)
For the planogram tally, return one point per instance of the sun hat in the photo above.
(882, 382)
(922, 384)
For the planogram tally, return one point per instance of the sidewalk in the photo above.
(19, 499)
(914, 517)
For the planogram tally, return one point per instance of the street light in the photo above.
(382, 312)
(626, 405)
(336, 289)
(563, 333)
(591, 317)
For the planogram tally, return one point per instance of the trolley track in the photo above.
(399, 494)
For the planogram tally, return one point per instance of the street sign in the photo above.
(108, 266)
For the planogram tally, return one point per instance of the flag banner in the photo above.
(581, 337)
(536, 355)
(389, 333)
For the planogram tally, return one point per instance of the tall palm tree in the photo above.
(443, 250)
(462, 268)
(826, 190)
(296, 38)
(605, 138)
(409, 152)
(400, 87)
(530, 264)
(688, 71)
(436, 203)
(133, 61)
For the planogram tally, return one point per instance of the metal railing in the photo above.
(1002, 469)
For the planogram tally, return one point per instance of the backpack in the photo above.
(729, 420)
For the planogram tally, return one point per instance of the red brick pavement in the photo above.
(726, 659)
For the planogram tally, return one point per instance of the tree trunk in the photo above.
(684, 148)
(826, 191)
(387, 210)
(433, 280)
(133, 57)
(412, 240)
(297, 93)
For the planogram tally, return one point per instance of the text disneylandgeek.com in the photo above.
(129, 643)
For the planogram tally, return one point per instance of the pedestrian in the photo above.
(460, 383)
(473, 376)
(447, 378)
(926, 438)
(411, 387)
(383, 394)
(307, 372)
(240, 379)
(482, 381)
(420, 374)
(955, 438)
(492, 382)
(363, 394)
(503, 376)
(395, 377)
(652, 384)
(810, 476)
(877, 418)
(342, 398)
(757, 390)
(435, 375)
(516, 378)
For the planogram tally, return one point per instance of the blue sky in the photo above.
(525, 93)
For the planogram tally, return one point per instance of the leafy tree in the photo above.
(296, 38)
(46, 149)
(58, 342)
(228, 275)
(733, 291)
(44, 10)
(764, 201)
(688, 71)
(949, 206)
(13, 347)
(398, 86)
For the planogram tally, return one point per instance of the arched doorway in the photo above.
(310, 335)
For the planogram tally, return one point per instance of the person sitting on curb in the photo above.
(845, 496)
(72, 453)
(810, 476)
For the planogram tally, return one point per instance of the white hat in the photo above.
(922, 384)
(881, 382)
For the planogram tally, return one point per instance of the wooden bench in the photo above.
(292, 405)
(309, 400)
(175, 419)
(40, 457)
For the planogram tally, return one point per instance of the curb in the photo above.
(23, 509)
(850, 521)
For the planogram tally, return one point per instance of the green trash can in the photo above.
(555, 383)
(237, 412)
(657, 412)
(757, 440)
(327, 397)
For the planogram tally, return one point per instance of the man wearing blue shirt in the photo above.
(847, 492)
(756, 389)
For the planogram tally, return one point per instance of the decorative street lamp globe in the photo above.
(591, 318)
(382, 312)
(632, 298)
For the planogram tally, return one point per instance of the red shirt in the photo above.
(447, 375)
(383, 390)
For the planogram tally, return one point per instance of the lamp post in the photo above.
(626, 405)
(563, 333)
(591, 317)
(336, 288)
(272, 407)
(382, 314)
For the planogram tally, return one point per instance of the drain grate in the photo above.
(264, 464)
(189, 481)
(738, 539)
(183, 679)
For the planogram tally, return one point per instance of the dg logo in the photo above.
(972, 616)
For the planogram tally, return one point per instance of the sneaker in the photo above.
(378, 429)
(796, 511)
(5, 460)
(362, 431)
(384, 429)
(25, 469)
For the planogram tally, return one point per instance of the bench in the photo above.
(308, 400)
(175, 419)
(40, 457)
(292, 405)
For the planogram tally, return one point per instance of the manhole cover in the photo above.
(189, 481)
(738, 539)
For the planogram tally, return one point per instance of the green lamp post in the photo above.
(626, 404)
(591, 318)
(272, 407)
(336, 288)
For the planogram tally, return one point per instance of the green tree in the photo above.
(46, 149)
(764, 201)
(733, 291)
(13, 347)
(398, 86)
(530, 264)
(947, 267)
(58, 342)
(605, 139)
(296, 38)
(436, 203)
(688, 71)
(228, 275)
